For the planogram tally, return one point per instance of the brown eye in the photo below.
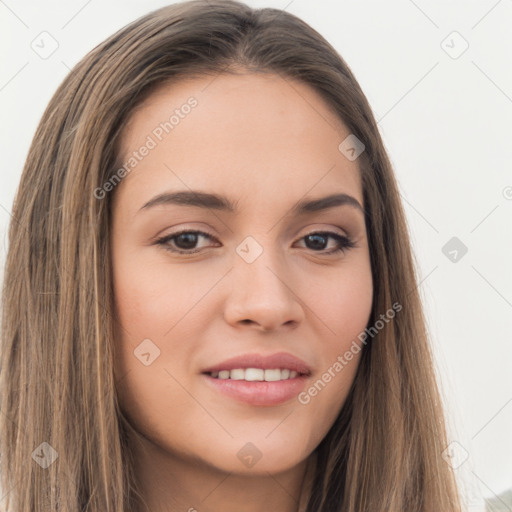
(319, 240)
(186, 240)
(183, 242)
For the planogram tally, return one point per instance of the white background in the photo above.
(446, 123)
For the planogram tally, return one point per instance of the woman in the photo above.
(209, 298)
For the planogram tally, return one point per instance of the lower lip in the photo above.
(259, 392)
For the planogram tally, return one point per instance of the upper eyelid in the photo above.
(202, 232)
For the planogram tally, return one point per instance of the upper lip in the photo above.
(266, 362)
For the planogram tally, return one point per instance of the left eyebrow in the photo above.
(324, 203)
(198, 199)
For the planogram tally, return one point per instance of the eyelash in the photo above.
(344, 243)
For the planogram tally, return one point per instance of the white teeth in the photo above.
(272, 375)
(237, 374)
(255, 374)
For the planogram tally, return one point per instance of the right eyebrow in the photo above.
(192, 198)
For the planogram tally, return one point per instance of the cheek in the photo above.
(343, 304)
(343, 308)
(151, 297)
(148, 343)
(157, 308)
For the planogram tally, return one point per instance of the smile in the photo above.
(255, 374)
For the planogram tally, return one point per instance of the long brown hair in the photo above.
(383, 453)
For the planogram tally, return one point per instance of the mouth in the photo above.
(256, 374)
(258, 379)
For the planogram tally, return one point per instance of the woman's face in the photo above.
(251, 281)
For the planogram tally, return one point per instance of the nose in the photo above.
(263, 295)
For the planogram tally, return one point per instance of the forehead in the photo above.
(251, 134)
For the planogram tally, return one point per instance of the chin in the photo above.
(245, 457)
